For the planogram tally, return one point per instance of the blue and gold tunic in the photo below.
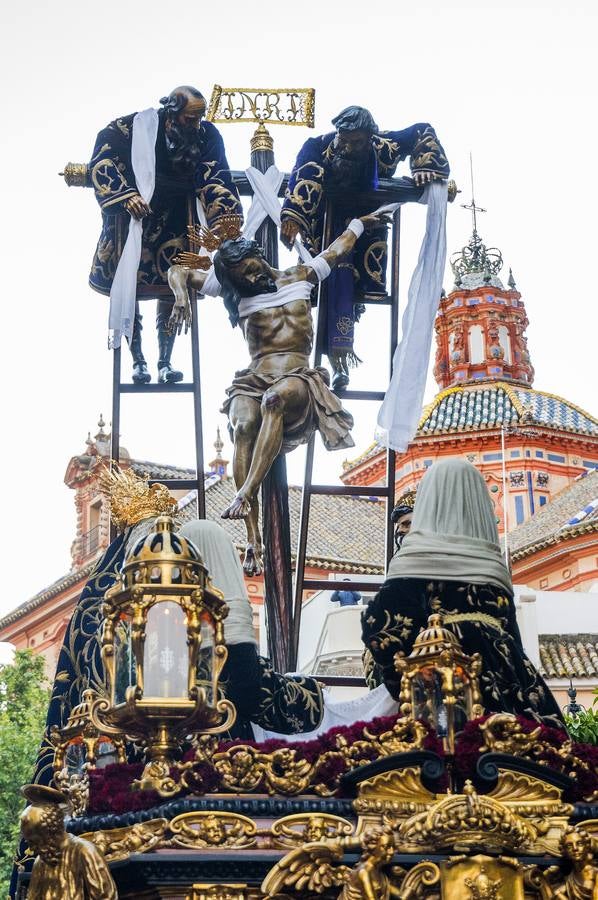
(313, 179)
(164, 230)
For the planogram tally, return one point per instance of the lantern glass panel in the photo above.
(205, 667)
(124, 662)
(462, 700)
(75, 757)
(428, 700)
(166, 656)
(106, 754)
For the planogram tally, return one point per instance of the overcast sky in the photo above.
(514, 82)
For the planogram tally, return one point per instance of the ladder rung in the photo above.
(360, 395)
(182, 387)
(176, 484)
(315, 584)
(348, 490)
(376, 299)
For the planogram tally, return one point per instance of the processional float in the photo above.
(439, 801)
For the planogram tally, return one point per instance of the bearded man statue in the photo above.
(190, 161)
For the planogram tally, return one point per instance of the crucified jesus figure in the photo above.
(278, 401)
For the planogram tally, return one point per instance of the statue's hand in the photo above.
(137, 206)
(375, 220)
(288, 232)
(423, 178)
(180, 315)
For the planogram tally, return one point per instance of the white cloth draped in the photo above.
(400, 412)
(341, 712)
(221, 558)
(266, 202)
(123, 292)
(296, 290)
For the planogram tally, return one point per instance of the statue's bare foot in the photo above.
(252, 561)
(238, 509)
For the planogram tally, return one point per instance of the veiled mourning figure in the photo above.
(285, 704)
(451, 562)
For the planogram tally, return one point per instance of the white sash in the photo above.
(400, 412)
(123, 292)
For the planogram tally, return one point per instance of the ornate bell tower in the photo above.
(480, 327)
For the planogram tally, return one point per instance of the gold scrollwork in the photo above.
(276, 106)
(465, 821)
(212, 829)
(374, 261)
(305, 828)
(220, 892)
(118, 843)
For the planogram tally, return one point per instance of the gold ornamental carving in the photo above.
(467, 821)
(212, 829)
(116, 844)
(274, 106)
(503, 734)
(221, 892)
(317, 867)
(481, 877)
(305, 828)
(65, 865)
(396, 795)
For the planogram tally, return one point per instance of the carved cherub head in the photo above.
(378, 843)
(213, 830)
(315, 830)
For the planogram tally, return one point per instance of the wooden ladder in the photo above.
(182, 387)
(391, 190)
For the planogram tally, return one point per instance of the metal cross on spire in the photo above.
(474, 209)
(475, 257)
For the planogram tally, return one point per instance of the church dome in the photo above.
(487, 405)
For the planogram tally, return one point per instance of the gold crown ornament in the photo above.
(227, 228)
(133, 498)
(407, 499)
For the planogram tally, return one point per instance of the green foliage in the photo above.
(24, 696)
(583, 726)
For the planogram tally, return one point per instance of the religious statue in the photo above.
(278, 401)
(351, 160)
(314, 866)
(189, 161)
(66, 866)
(582, 881)
(494, 347)
(402, 516)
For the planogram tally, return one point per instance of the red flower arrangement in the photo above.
(110, 788)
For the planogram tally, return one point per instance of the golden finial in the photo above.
(262, 139)
(132, 498)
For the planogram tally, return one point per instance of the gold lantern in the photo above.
(80, 746)
(439, 682)
(163, 650)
